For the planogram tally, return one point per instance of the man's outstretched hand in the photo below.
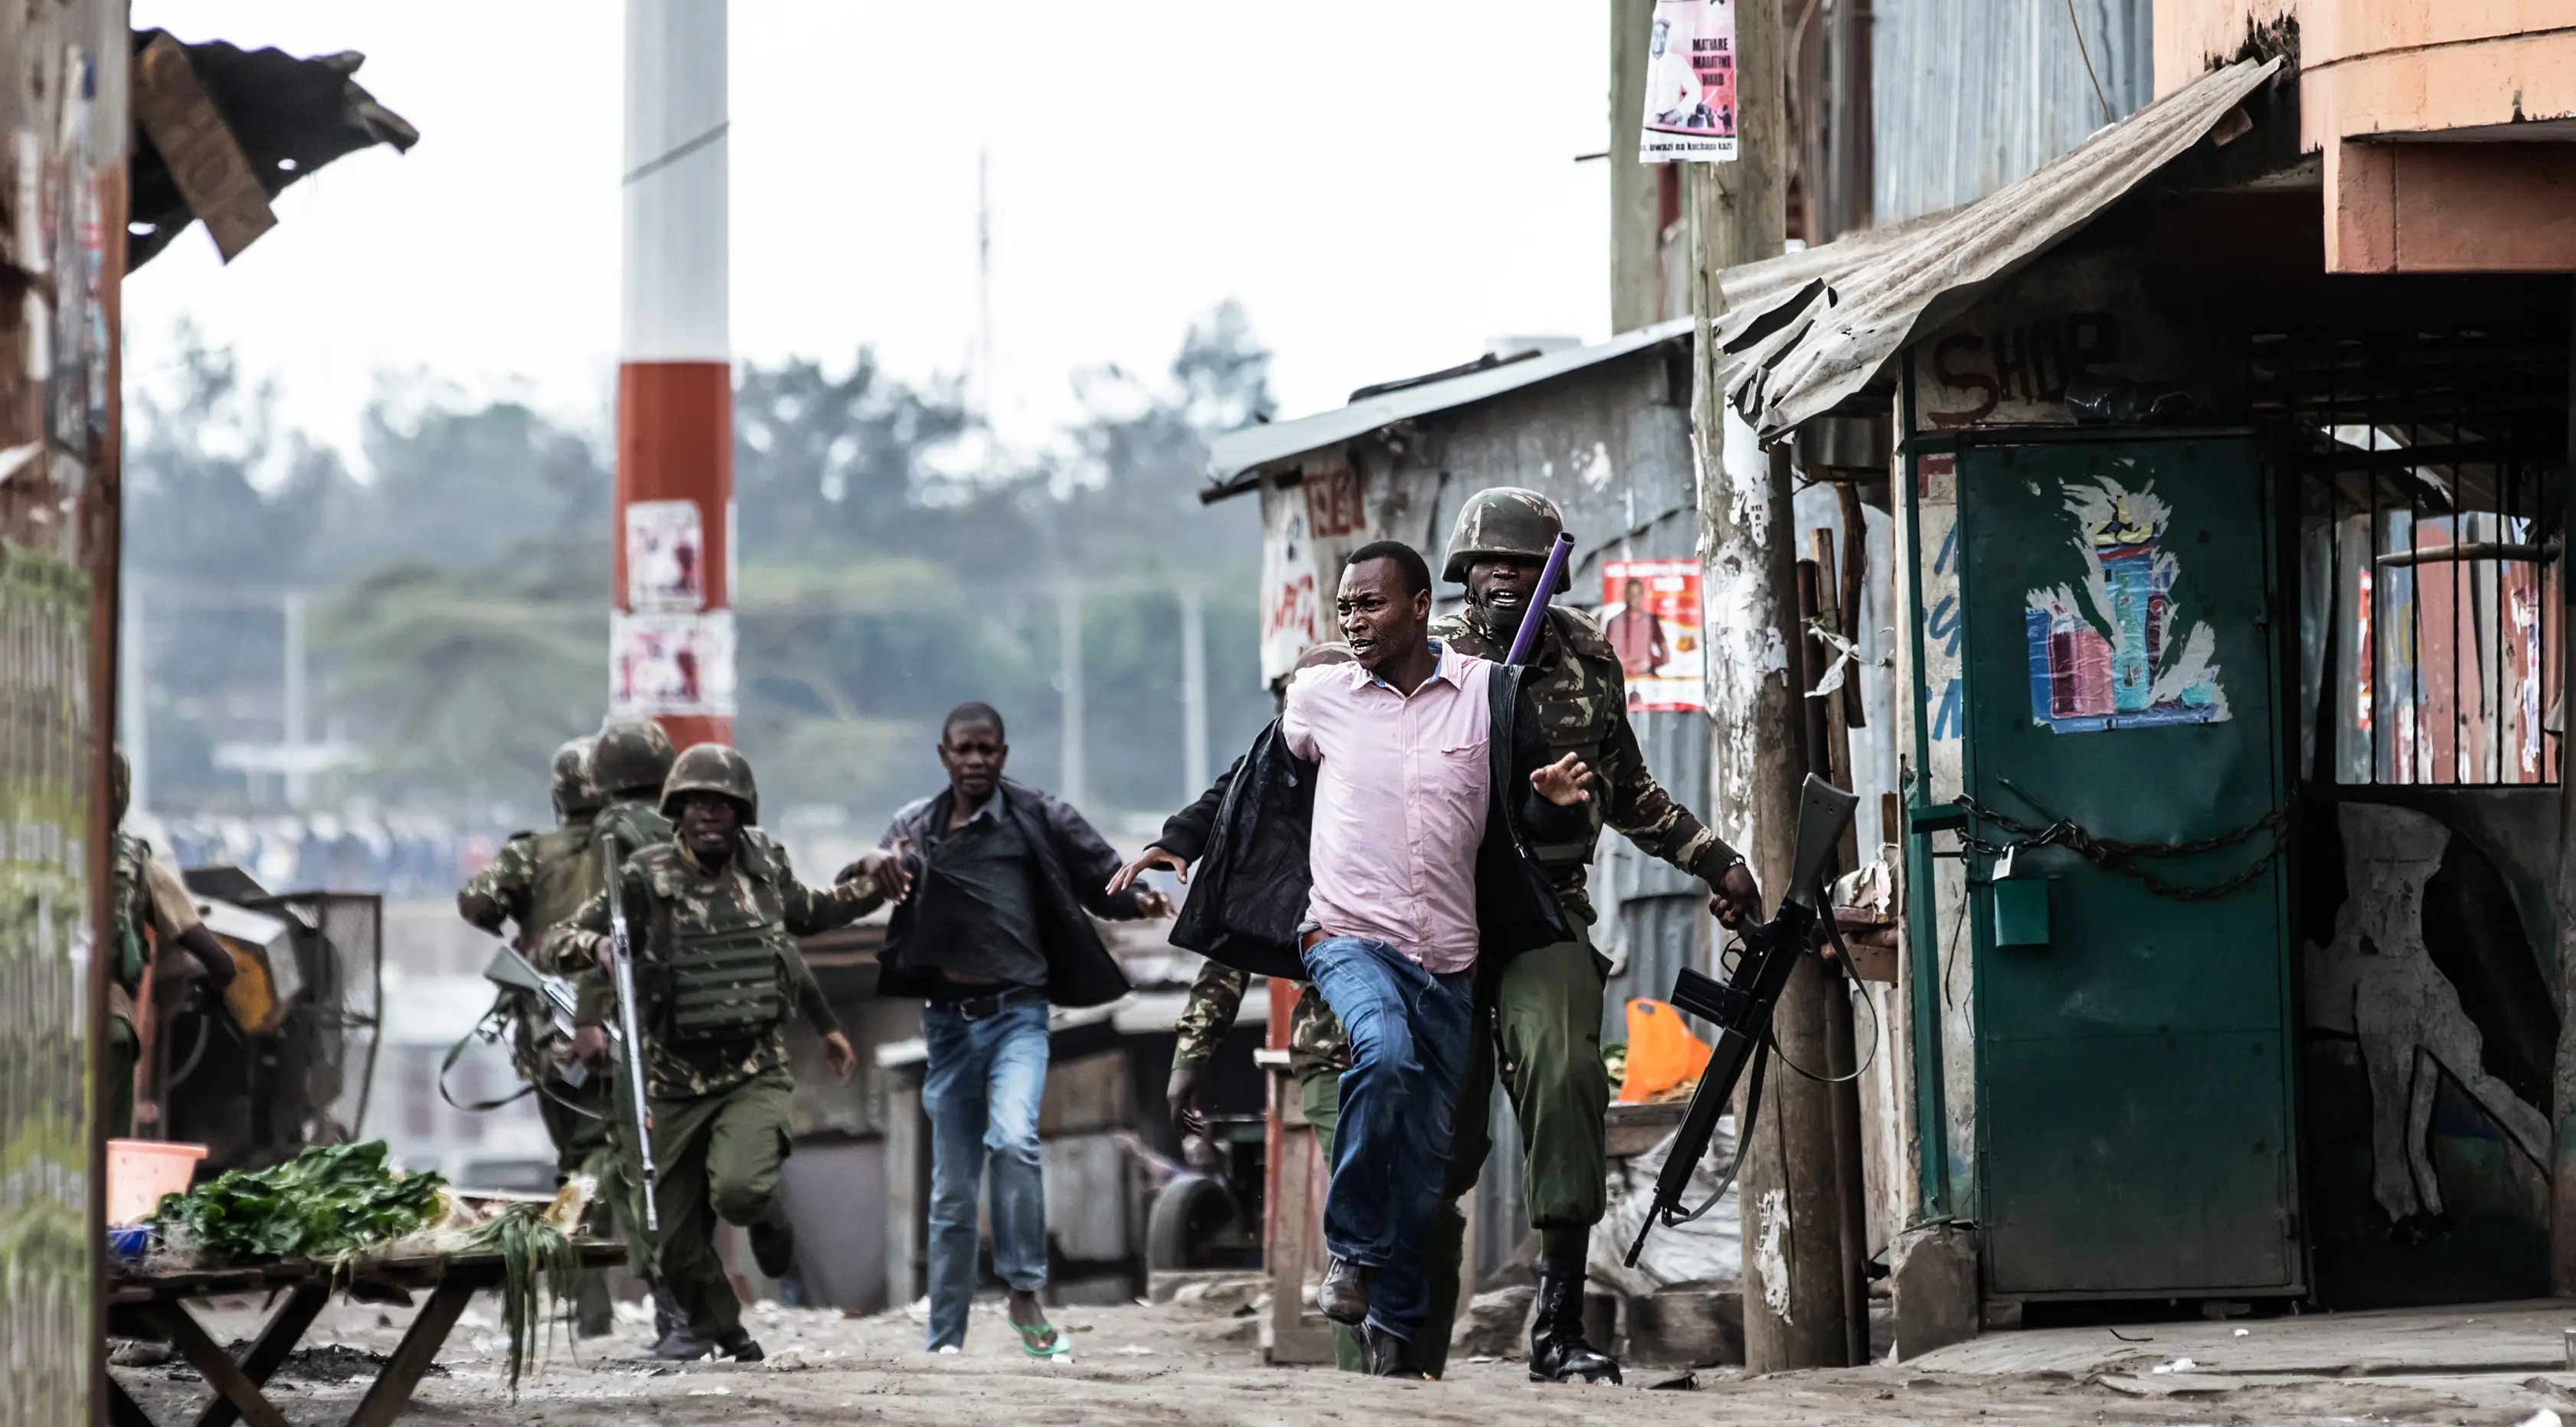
(1564, 782)
(882, 868)
(1153, 857)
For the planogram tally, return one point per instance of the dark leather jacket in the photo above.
(1246, 840)
(1074, 866)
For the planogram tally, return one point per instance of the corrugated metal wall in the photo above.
(1972, 94)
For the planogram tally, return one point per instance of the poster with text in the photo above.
(1650, 613)
(671, 664)
(1690, 83)
(666, 566)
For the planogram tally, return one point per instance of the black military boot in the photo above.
(773, 1244)
(672, 1340)
(740, 1346)
(1557, 1351)
(1385, 1351)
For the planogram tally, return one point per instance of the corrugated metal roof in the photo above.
(1807, 330)
(1825, 319)
(1235, 459)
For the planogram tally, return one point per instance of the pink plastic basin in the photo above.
(139, 1172)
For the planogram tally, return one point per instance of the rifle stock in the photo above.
(621, 957)
(1740, 1006)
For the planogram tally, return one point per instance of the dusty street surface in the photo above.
(1194, 1364)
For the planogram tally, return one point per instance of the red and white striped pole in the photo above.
(671, 642)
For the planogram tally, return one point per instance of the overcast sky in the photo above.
(1385, 186)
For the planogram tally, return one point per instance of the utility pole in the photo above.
(1793, 1295)
(671, 632)
(133, 713)
(1194, 703)
(1068, 617)
(299, 783)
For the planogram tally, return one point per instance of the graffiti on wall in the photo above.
(2382, 982)
(2106, 656)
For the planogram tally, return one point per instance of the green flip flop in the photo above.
(1043, 1341)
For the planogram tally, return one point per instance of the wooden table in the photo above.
(154, 1305)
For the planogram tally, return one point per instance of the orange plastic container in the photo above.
(139, 1172)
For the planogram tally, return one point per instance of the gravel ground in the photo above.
(1199, 1363)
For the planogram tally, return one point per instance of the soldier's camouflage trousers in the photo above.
(717, 1156)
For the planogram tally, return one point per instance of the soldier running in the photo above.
(1546, 1005)
(536, 881)
(713, 916)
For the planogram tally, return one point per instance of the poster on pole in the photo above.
(1690, 83)
(666, 544)
(1650, 613)
(670, 664)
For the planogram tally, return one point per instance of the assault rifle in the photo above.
(511, 972)
(621, 970)
(1740, 1006)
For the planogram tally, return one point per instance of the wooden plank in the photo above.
(392, 1388)
(122, 1409)
(285, 1328)
(214, 1364)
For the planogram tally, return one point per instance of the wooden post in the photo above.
(2562, 1178)
(1636, 212)
(1793, 1299)
(1829, 758)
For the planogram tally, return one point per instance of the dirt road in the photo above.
(1198, 1364)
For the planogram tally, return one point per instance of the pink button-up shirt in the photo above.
(1399, 805)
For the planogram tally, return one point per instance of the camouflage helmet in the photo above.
(1505, 520)
(631, 757)
(574, 792)
(120, 785)
(716, 768)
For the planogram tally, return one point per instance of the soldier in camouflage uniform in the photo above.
(534, 882)
(150, 910)
(1546, 1005)
(712, 915)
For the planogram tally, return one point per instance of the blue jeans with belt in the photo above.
(981, 1089)
(1408, 1033)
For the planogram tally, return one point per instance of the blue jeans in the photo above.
(981, 1090)
(1409, 1040)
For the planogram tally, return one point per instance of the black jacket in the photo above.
(1074, 866)
(1246, 840)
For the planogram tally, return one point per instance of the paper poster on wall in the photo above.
(1690, 83)
(1308, 529)
(1650, 613)
(671, 663)
(2116, 655)
(666, 566)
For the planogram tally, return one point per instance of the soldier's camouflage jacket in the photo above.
(1582, 699)
(670, 903)
(1315, 1039)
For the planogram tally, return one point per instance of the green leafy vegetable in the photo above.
(528, 1245)
(330, 1203)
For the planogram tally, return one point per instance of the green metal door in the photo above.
(2134, 1101)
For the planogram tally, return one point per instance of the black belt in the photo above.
(984, 1008)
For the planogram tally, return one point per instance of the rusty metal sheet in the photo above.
(1807, 330)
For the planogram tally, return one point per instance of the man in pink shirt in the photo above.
(1404, 857)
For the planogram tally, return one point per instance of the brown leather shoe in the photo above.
(1344, 1295)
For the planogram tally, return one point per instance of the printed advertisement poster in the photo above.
(666, 567)
(670, 663)
(1309, 528)
(1690, 83)
(2117, 654)
(1650, 613)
